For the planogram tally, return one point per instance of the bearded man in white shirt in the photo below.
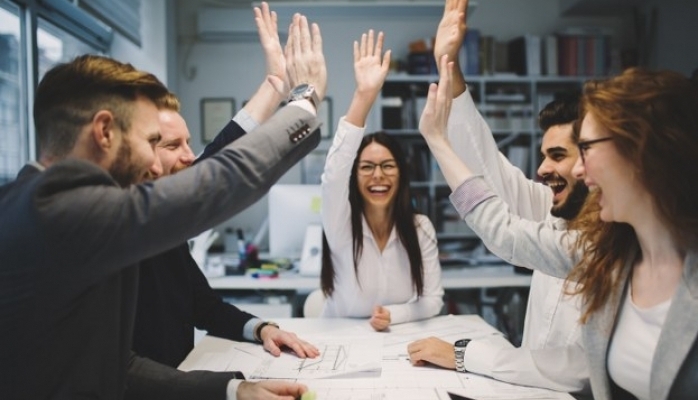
(551, 355)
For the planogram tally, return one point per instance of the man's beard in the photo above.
(124, 171)
(573, 204)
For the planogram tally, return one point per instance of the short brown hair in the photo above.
(170, 102)
(70, 94)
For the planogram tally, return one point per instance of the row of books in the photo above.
(571, 52)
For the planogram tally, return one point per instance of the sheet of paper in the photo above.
(447, 327)
(344, 357)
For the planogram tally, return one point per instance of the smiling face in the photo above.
(173, 150)
(135, 159)
(606, 171)
(559, 156)
(377, 188)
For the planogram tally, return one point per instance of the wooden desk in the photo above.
(398, 380)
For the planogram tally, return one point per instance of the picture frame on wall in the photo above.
(216, 112)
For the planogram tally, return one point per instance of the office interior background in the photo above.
(209, 49)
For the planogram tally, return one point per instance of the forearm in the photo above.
(563, 369)
(526, 243)
(264, 102)
(147, 379)
(360, 106)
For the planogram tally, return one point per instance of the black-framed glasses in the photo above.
(389, 168)
(584, 145)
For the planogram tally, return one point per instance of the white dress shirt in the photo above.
(551, 355)
(384, 277)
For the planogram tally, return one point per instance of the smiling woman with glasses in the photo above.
(638, 276)
(585, 145)
(632, 253)
(380, 258)
(389, 168)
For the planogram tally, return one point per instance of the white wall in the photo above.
(152, 55)
(236, 69)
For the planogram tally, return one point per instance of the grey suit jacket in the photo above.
(675, 363)
(539, 245)
(71, 239)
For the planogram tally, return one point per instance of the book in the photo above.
(550, 55)
(525, 55)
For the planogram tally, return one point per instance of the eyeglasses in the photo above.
(584, 145)
(389, 168)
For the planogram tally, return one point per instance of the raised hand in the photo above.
(432, 124)
(371, 67)
(267, 28)
(305, 62)
(449, 38)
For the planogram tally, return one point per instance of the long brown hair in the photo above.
(653, 118)
(403, 217)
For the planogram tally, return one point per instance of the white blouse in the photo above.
(633, 344)
(384, 278)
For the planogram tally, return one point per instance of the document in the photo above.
(342, 357)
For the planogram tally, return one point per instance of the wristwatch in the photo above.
(258, 330)
(460, 346)
(304, 91)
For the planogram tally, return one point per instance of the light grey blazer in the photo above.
(673, 352)
(542, 246)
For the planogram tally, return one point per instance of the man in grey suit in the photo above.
(76, 224)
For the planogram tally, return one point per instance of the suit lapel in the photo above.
(598, 332)
(678, 333)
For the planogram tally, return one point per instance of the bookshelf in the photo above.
(510, 105)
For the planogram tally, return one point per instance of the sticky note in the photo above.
(308, 396)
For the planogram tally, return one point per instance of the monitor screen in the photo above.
(291, 209)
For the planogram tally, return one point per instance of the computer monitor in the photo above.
(291, 209)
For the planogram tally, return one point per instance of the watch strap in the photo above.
(459, 349)
(258, 330)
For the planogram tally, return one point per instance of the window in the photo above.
(62, 32)
(12, 142)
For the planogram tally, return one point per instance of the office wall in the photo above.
(235, 69)
(152, 54)
(676, 46)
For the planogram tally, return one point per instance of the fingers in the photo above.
(271, 347)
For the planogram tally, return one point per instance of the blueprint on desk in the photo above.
(359, 364)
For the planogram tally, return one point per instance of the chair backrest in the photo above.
(313, 304)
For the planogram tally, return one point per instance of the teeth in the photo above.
(378, 188)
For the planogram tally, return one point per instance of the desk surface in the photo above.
(398, 379)
(472, 277)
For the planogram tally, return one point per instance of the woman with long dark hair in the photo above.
(380, 259)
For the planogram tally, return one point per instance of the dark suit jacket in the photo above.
(174, 296)
(70, 242)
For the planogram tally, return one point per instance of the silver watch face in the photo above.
(300, 91)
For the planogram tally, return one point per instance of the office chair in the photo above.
(313, 304)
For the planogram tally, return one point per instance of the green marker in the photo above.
(308, 396)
